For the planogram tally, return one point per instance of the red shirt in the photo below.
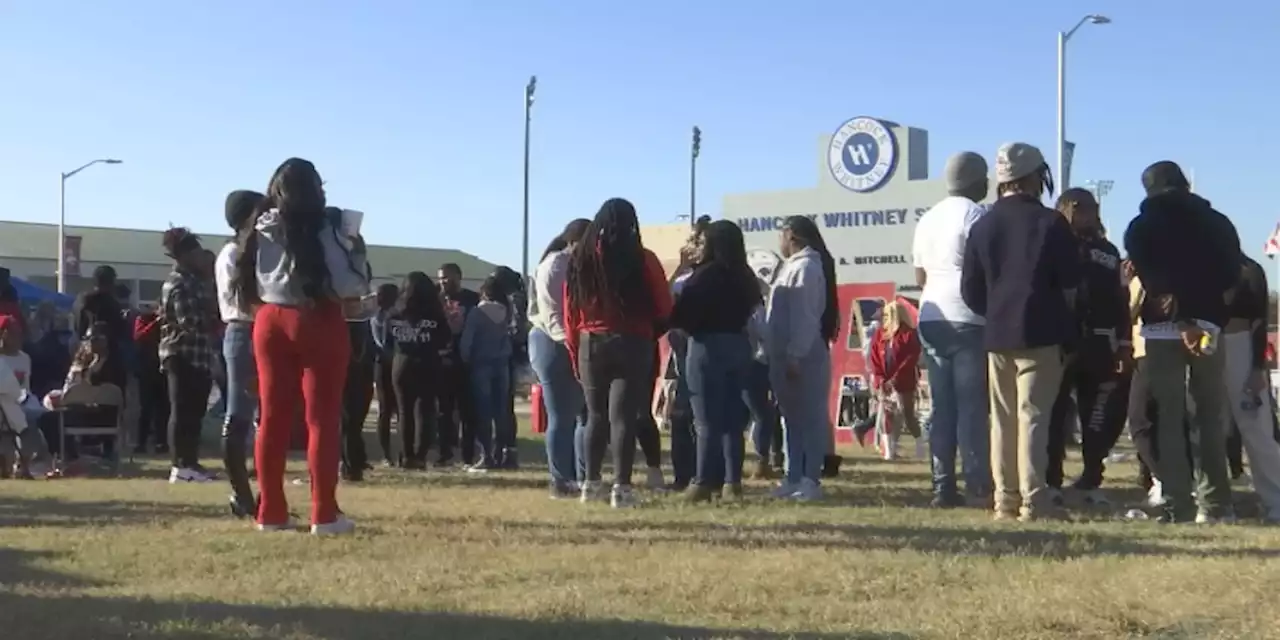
(904, 356)
(605, 319)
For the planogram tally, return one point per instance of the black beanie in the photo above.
(240, 206)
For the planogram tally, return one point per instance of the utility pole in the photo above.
(693, 176)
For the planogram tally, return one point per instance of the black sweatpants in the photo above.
(454, 394)
(387, 404)
(617, 379)
(357, 394)
(1102, 401)
(189, 389)
(417, 384)
(153, 407)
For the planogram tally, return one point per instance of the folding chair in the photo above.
(95, 411)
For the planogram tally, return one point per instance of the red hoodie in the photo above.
(603, 318)
(904, 351)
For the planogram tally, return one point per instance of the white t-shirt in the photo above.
(224, 271)
(938, 248)
(20, 364)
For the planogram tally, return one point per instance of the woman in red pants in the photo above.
(300, 270)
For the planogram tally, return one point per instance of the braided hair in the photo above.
(607, 268)
(177, 242)
(806, 233)
(296, 192)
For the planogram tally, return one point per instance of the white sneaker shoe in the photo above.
(592, 492)
(1155, 495)
(341, 526)
(621, 497)
(654, 480)
(785, 490)
(1203, 517)
(183, 474)
(808, 491)
(289, 525)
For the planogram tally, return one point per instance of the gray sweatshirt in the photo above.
(793, 315)
(546, 304)
(279, 284)
(485, 339)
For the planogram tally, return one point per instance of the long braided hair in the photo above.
(804, 231)
(607, 268)
(296, 192)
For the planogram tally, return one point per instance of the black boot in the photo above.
(831, 466)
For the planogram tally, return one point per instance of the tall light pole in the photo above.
(1100, 189)
(693, 176)
(62, 218)
(1063, 37)
(529, 89)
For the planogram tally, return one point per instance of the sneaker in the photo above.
(563, 491)
(480, 467)
(621, 497)
(1223, 517)
(808, 491)
(1155, 495)
(1242, 481)
(831, 466)
(181, 474)
(697, 494)
(763, 471)
(287, 525)
(653, 479)
(785, 490)
(509, 460)
(1004, 515)
(732, 491)
(593, 492)
(340, 526)
(239, 509)
(1055, 497)
(1096, 498)
(947, 501)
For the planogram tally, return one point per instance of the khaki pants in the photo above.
(1023, 386)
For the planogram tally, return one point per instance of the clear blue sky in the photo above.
(412, 109)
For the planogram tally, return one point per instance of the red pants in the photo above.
(302, 359)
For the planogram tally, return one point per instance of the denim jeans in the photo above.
(563, 400)
(684, 448)
(242, 407)
(718, 366)
(805, 410)
(957, 366)
(490, 384)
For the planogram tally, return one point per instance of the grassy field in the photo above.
(446, 555)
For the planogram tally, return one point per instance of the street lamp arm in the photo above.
(1066, 35)
(89, 164)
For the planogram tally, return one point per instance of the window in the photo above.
(860, 314)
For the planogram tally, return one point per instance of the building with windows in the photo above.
(30, 251)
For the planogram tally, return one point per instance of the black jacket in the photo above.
(1102, 302)
(1182, 247)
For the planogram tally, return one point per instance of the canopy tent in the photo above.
(31, 294)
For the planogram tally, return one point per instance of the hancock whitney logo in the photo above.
(862, 154)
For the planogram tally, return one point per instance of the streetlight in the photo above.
(62, 218)
(528, 119)
(693, 176)
(1100, 189)
(1063, 37)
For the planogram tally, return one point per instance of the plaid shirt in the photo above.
(189, 321)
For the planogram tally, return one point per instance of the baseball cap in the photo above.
(964, 170)
(1017, 160)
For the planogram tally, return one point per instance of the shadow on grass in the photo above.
(995, 543)
(50, 512)
(58, 615)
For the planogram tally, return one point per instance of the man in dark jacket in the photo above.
(1097, 367)
(512, 290)
(100, 305)
(1187, 255)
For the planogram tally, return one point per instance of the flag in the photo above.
(1272, 247)
(1068, 154)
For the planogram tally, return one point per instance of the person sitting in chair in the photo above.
(18, 410)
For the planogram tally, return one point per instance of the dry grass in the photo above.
(444, 555)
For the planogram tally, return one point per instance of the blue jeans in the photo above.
(764, 412)
(563, 400)
(490, 384)
(805, 410)
(241, 409)
(957, 366)
(684, 448)
(718, 366)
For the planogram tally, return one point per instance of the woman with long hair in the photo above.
(684, 448)
(616, 305)
(549, 357)
(895, 370)
(299, 271)
(713, 308)
(803, 318)
(385, 298)
(420, 331)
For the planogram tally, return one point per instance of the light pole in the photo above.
(1100, 189)
(693, 176)
(528, 119)
(62, 218)
(1063, 37)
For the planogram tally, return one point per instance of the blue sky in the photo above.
(412, 110)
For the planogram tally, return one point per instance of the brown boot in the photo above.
(763, 471)
(697, 493)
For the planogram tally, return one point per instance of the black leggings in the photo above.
(615, 370)
(357, 393)
(647, 433)
(188, 401)
(416, 382)
(153, 409)
(387, 405)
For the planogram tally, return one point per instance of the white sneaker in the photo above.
(654, 480)
(592, 492)
(341, 526)
(289, 525)
(808, 491)
(621, 497)
(1243, 481)
(182, 474)
(1155, 495)
(1203, 517)
(785, 490)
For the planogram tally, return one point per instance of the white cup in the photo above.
(351, 220)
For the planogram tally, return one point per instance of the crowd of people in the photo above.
(1028, 315)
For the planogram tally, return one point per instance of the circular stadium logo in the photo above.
(862, 155)
(764, 263)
